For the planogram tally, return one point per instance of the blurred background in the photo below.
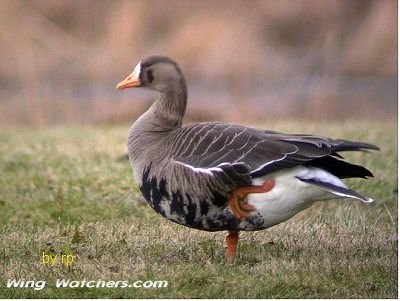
(244, 60)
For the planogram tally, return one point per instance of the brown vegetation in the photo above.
(61, 59)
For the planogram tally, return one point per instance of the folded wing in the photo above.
(207, 145)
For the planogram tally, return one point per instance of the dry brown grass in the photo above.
(60, 60)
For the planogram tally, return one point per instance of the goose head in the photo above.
(159, 73)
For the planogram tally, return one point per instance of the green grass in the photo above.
(66, 191)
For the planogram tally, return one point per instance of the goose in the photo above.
(216, 176)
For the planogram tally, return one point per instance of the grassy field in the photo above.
(66, 190)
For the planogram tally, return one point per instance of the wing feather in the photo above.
(207, 145)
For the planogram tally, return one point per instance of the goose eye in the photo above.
(150, 76)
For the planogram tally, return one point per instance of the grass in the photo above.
(66, 190)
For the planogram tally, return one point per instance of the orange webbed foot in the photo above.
(238, 202)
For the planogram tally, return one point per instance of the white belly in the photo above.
(288, 197)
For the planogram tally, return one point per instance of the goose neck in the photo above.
(170, 107)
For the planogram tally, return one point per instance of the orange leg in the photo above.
(238, 203)
(232, 240)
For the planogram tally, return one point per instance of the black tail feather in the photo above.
(348, 145)
(339, 191)
(340, 168)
